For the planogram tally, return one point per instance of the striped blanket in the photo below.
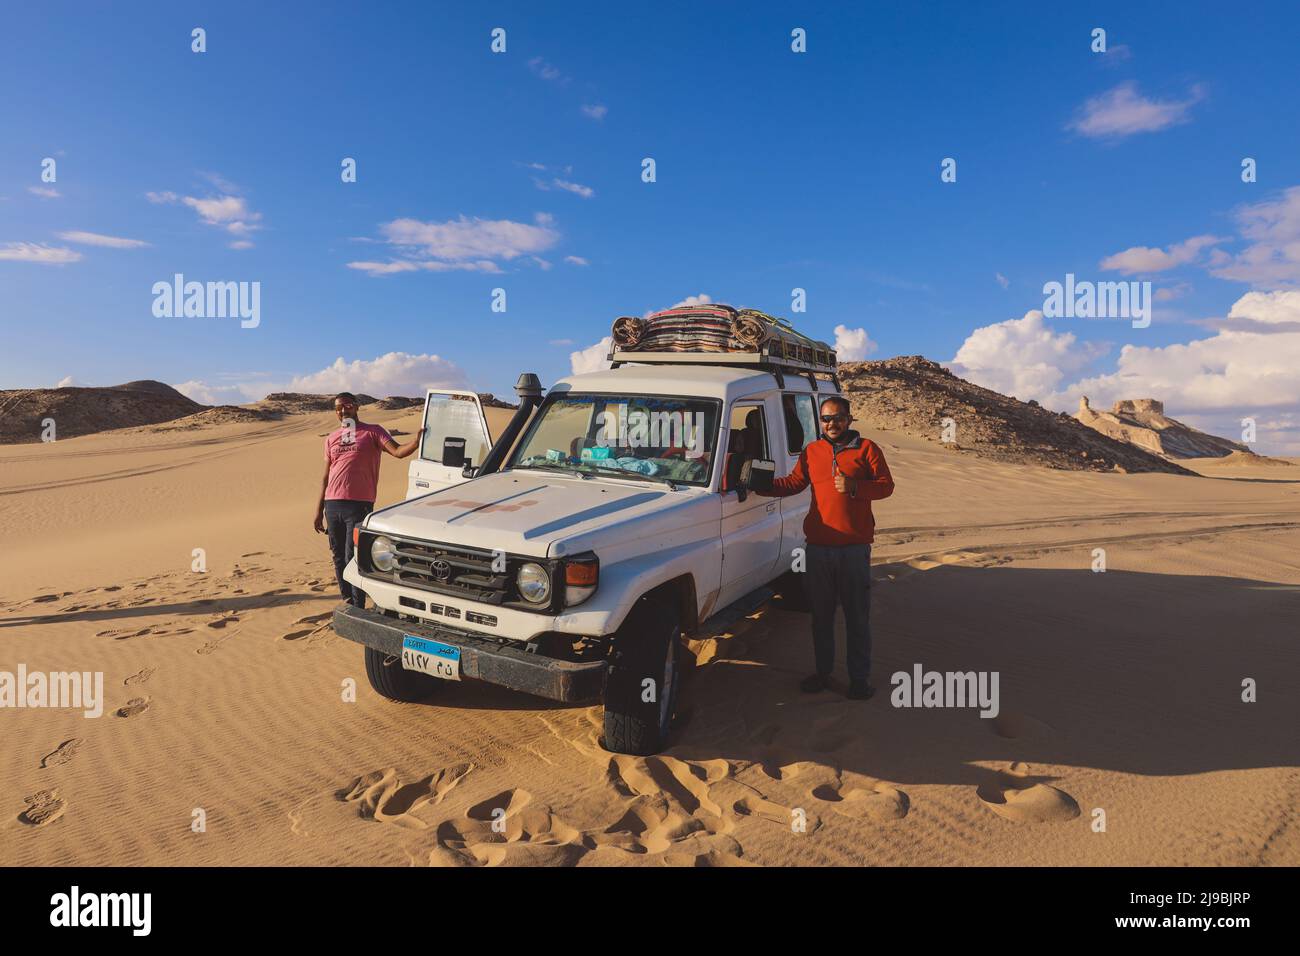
(716, 328)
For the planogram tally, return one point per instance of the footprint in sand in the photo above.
(1016, 795)
(876, 799)
(62, 753)
(46, 598)
(729, 856)
(321, 621)
(508, 829)
(683, 783)
(139, 677)
(136, 705)
(223, 621)
(43, 808)
(381, 796)
(764, 809)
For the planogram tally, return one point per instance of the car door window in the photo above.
(749, 423)
(800, 421)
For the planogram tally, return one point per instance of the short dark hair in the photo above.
(839, 400)
(347, 397)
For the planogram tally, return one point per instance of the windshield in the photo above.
(628, 436)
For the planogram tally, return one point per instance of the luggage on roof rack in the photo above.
(717, 334)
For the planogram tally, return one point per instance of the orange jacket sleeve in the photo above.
(881, 483)
(792, 483)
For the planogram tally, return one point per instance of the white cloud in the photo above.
(1145, 259)
(560, 342)
(96, 239)
(592, 358)
(1123, 111)
(1172, 292)
(1021, 357)
(231, 213)
(460, 244)
(1002, 280)
(576, 261)
(237, 394)
(38, 253)
(595, 111)
(852, 345)
(1272, 257)
(66, 382)
(45, 192)
(701, 299)
(586, 192)
(397, 373)
(547, 71)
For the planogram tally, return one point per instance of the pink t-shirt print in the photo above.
(354, 465)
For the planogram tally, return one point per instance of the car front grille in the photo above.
(450, 570)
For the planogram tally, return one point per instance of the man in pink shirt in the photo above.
(347, 491)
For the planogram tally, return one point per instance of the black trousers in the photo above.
(340, 518)
(840, 576)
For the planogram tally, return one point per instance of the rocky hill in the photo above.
(1142, 422)
(83, 411)
(913, 395)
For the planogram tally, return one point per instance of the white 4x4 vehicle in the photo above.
(570, 558)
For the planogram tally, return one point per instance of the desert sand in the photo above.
(1120, 691)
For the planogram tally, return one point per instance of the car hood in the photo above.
(523, 512)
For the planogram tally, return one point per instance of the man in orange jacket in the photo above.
(846, 472)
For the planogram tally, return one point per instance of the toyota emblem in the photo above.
(441, 569)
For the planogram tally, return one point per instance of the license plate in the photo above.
(430, 657)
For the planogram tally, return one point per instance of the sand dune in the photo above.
(1120, 692)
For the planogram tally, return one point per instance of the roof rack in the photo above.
(818, 359)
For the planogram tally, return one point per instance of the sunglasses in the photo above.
(834, 418)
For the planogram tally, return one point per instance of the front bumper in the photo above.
(484, 659)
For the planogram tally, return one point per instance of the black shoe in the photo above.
(813, 683)
(860, 690)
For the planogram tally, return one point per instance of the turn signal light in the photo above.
(582, 573)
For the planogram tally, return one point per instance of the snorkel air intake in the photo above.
(529, 390)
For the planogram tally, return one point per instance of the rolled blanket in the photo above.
(627, 330)
(752, 328)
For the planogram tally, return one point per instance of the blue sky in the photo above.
(775, 170)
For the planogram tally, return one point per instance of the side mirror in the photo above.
(453, 452)
(758, 474)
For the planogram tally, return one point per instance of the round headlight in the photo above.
(382, 554)
(534, 583)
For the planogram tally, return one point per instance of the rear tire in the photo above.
(391, 680)
(645, 661)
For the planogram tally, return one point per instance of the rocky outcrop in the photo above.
(1142, 422)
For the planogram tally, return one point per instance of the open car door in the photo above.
(456, 434)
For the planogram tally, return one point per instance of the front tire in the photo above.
(641, 687)
(391, 680)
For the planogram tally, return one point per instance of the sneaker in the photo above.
(860, 690)
(813, 683)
